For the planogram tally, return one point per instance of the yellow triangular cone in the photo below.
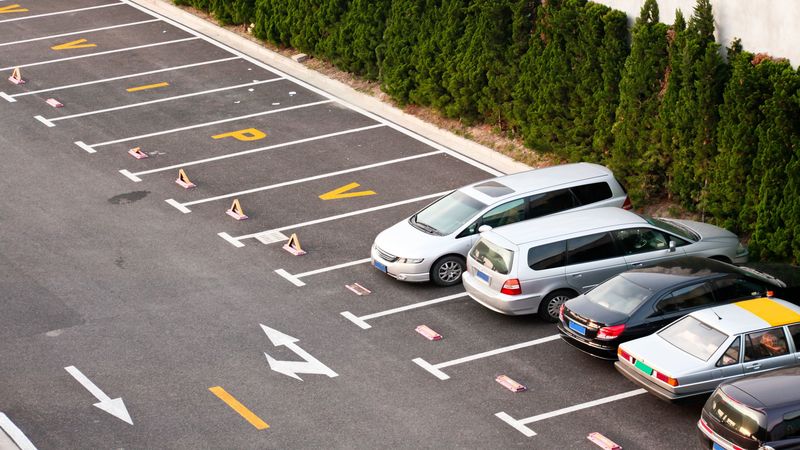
(16, 76)
(183, 180)
(236, 210)
(293, 246)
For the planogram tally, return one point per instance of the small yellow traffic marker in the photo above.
(236, 210)
(16, 76)
(247, 134)
(342, 192)
(73, 45)
(293, 246)
(12, 9)
(239, 408)
(147, 86)
(137, 153)
(183, 180)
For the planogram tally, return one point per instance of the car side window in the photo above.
(641, 240)
(592, 192)
(685, 298)
(731, 355)
(591, 248)
(507, 213)
(765, 344)
(794, 330)
(550, 203)
(734, 288)
(547, 256)
(791, 425)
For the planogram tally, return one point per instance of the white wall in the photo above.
(764, 26)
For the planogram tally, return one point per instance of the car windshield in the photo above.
(447, 214)
(492, 256)
(693, 337)
(736, 416)
(618, 294)
(675, 228)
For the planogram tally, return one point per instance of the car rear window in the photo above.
(736, 416)
(592, 193)
(693, 337)
(492, 256)
(618, 294)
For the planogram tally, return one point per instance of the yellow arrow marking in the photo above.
(73, 45)
(342, 192)
(12, 9)
(239, 408)
(147, 86)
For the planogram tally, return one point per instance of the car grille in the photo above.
(385, 256)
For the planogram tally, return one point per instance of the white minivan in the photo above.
(433, 243)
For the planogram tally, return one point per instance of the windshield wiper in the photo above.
(427, 228)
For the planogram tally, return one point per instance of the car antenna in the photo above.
(715, 313)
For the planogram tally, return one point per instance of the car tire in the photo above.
(446, 271)
(548, 309)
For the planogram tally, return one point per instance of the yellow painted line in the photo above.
(147, 86)
(12, 9)
(72, 45)
(770, 311)
(342, 192)
(239, 408)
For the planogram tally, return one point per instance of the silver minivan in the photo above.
(535, 266)
(433, 243)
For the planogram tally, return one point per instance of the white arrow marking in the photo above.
(292, 368)
(115, 407)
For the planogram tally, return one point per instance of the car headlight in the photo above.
(741, 249)
(410, 260)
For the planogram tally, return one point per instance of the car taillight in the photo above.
(770, 294)
(511, 287)
(627, 204)
(624, 355)
(669, 380)
(608, 333)
(561, 313)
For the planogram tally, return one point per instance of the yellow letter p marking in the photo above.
(248, 134)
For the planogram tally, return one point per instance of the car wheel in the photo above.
(548, 309)
(447, 271)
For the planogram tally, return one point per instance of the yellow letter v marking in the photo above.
(73, 45)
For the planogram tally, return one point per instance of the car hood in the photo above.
(706, 231)
(405, 241)
(664, 357)
(587, 309)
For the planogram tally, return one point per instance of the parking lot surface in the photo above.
(117, 283)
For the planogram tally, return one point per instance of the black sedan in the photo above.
(639, 302)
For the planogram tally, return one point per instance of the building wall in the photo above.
(764, 26)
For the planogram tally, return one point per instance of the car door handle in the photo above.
(753, 366)
(577, 275)
(637, 264)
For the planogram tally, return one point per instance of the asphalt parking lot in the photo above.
(151, 293)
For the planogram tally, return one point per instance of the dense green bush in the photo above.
(658, 104)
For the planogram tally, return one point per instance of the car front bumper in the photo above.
(414, 273)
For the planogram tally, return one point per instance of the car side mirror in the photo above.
(671, 246)
(483, 228)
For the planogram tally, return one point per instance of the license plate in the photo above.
(643, 367)
(578, 328)
(486, 278)
(717, 447)
(379, 266)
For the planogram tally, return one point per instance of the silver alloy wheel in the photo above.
(554, 305)
(450, 271)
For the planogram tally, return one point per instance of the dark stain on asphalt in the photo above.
(127, 199)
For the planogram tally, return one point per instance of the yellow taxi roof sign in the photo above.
(770, 311)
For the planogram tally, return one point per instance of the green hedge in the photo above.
(657, 104)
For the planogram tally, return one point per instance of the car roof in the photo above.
(774, 389)
(565, 224)
(685, 269)
(749, 315)
(535, 180)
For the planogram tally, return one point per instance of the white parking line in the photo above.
(199, 125)
(238, 239)
(295, 279)
(121, 77)
(184, 206)
(361, 321)
(521, 424)
(53, 36)
(15, 433)
(56, 13)
(107, 52)
(160, 100)
(135, 176)
(434, 369)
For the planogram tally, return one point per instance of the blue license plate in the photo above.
(578, 328)
(482, 276)
(379, 266)
(717, 447)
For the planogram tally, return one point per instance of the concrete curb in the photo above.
(341, 91)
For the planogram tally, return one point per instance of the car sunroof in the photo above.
(493, 189)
